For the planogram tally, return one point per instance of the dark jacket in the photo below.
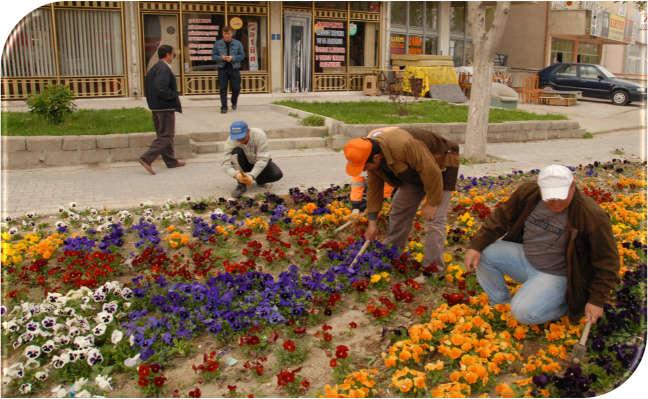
(592, 257)
(236, 51)
(161, 89)
(413, 156)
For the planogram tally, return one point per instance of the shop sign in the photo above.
(415, 45)
(253, 32)
(617, 27)
(330, 44)
(236, 23)
(201, 35)
(397, 44)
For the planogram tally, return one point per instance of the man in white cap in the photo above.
(554, 240)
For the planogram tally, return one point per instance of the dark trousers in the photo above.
(225, 76)
(270, 174)
(164, 122)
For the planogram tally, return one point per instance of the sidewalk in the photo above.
(127, 184)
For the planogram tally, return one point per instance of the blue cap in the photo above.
(238, 130)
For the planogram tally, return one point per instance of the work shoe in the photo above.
(233, 107)
(223, 110)
(178, 164)
(147, 166)
(239, 191)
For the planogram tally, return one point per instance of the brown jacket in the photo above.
(417, 157)
(592, 257)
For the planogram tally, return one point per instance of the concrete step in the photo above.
(209, 147)
(283, 133)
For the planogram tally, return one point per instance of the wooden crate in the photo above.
(370, 85)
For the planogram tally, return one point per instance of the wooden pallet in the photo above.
(557, 100)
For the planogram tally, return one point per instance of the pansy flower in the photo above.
(32, 352)
(94, 357)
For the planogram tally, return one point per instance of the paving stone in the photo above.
(79, 142)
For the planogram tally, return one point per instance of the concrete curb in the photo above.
(506, 132)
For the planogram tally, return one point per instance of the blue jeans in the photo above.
(542, 296)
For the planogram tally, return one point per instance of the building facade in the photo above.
(103, 48)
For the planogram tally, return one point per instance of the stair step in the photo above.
(284, 133)
(210, 147)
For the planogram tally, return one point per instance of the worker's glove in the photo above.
(244, 179)
(355, 216)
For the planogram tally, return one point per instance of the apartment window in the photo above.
(562, 50)
(588, 53)
(414, 27)
(28, 50)
(460, 42)
(635, 59)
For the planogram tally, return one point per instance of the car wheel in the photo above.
(620, 97)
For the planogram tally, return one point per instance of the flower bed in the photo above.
(259, 297)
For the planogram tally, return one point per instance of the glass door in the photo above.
(297, 52)
(160, 29)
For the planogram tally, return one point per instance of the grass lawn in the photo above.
(370, 112)
(82, 122)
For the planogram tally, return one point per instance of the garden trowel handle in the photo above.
(585, 334)
(362, 251)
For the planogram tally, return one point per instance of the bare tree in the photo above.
(484, 40)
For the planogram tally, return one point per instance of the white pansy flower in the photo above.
(32, 352)
(116, 337)
(132, 361)
(94, 357)
(103, 382)
(32, 364)
(25, 388)
(83, 394)
(58, 362)
(59, 392)
(41, 375)
(48, 346)
(78, 384)
(99, 329)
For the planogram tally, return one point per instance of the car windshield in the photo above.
(605, 72)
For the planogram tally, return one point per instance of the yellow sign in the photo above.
(617, 27)
(236, 23)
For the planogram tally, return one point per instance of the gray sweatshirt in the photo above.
(256, 151)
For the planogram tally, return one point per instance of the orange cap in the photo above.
(357, 152)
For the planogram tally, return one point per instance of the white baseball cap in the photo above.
(554, 182)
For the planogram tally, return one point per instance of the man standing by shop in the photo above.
(228, 54)
(421, 166)
(553, 239)
(163, 100)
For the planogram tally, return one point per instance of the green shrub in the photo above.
(313, 120)
(53, 103)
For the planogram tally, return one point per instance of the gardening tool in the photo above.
(348, 223)
(362, 251)
(580, 349)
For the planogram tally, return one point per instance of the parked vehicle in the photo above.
(593, 81)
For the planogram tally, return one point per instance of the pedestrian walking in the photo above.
(421, 166)
(228, 54)
(163, 100)
(247, 158)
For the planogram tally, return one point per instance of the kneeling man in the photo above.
(557, 242)
(247, 158)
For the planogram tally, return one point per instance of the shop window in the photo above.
(363, 43)
(415, 15)
(89, 42)
(331, 5)
(28, 49)
(201, 32)
(588, 53)
(635, 59)
(431, 45)
(431, 16)
(330, 46)
(399, 13)
(561, 50)
(397, 44)
(458, 18)
(457, 51)
(252, 33)
(414, 45)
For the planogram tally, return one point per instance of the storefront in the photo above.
(79, 44)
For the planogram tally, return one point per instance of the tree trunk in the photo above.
(484, 42)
